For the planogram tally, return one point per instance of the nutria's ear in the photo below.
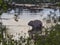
(30, 23)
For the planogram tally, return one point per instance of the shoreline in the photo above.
(35, 6)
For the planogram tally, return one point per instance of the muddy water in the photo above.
(21, 27)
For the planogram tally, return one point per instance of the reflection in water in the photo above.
(34, 14)
(35, 10)
(22, 10)
(31, 13)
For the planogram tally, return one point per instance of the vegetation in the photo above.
(53, 38)
(3, 6)
(2, 33)
(58, 4)
(34, 1)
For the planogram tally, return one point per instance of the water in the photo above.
(24, 16)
